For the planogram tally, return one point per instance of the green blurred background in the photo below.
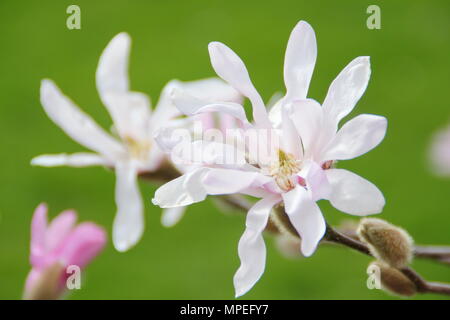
(197, 258)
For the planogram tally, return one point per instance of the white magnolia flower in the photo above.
(133, 151)
(299, 169)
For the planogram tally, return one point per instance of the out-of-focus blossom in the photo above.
(440, 152)
(304, 144)
(55, 247)
(133, 151)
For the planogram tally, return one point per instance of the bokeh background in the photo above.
(197, 258)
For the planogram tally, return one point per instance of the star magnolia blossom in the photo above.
(440, 152)
(57, 246)
(134, 152)
(299, 170)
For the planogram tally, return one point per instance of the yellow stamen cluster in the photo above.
(283, 169)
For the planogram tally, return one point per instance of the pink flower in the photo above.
(55, 247)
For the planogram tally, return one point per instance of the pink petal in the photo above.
(59, 228)
(38, 231)
(83, 244)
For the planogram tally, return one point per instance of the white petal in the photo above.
(171, 216)
(112, 70)
(347, 89)
(228, 181)
(75, 123)
(128, 224)
(290, 138)
(299, 61)
(190, 105)
(356, 137)
(131, 114)
(210, 153)
(307, 117)
(80, 159)
(230, 68)
(211, 90)
(182, 191)
(251, 248)
(306, 217)
(353, 194)
(440, 152)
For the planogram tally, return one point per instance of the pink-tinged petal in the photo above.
(59, 228)
(230, 68)
(440, 152)
(299, 61)
(190, 105)
(82, 245)
(38, 235)
(171, 216)
(251, 248)
(75, 123)
(128, 224)
(347, 89)
(358, 136)
(353, 194)
(112, 70)
(316, 180)
(307, 117)
(228, 181)
(306, 217)
(182, 191)
(80, 159)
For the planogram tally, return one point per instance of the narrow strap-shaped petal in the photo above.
(210, 153)
(75, 123)
(112, 70)
(306, 217)
(347, 89)
(228, 181)
(128, 224)
(356, 137)
(60, 228)
(291, 141)
(299, 61)
(171, 216)
(307, 117)
(190, 105)
(353, 194)
(80, 159)
(231, 68)
(38, 235)
(251, 248)
(182, 191)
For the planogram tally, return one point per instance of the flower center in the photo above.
(283, 169)
(138, 149)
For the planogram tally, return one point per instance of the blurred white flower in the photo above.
(304, 143)
(133, 151)
(440, 152)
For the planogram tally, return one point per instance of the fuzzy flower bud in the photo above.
(393, 280)
(387, 243)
